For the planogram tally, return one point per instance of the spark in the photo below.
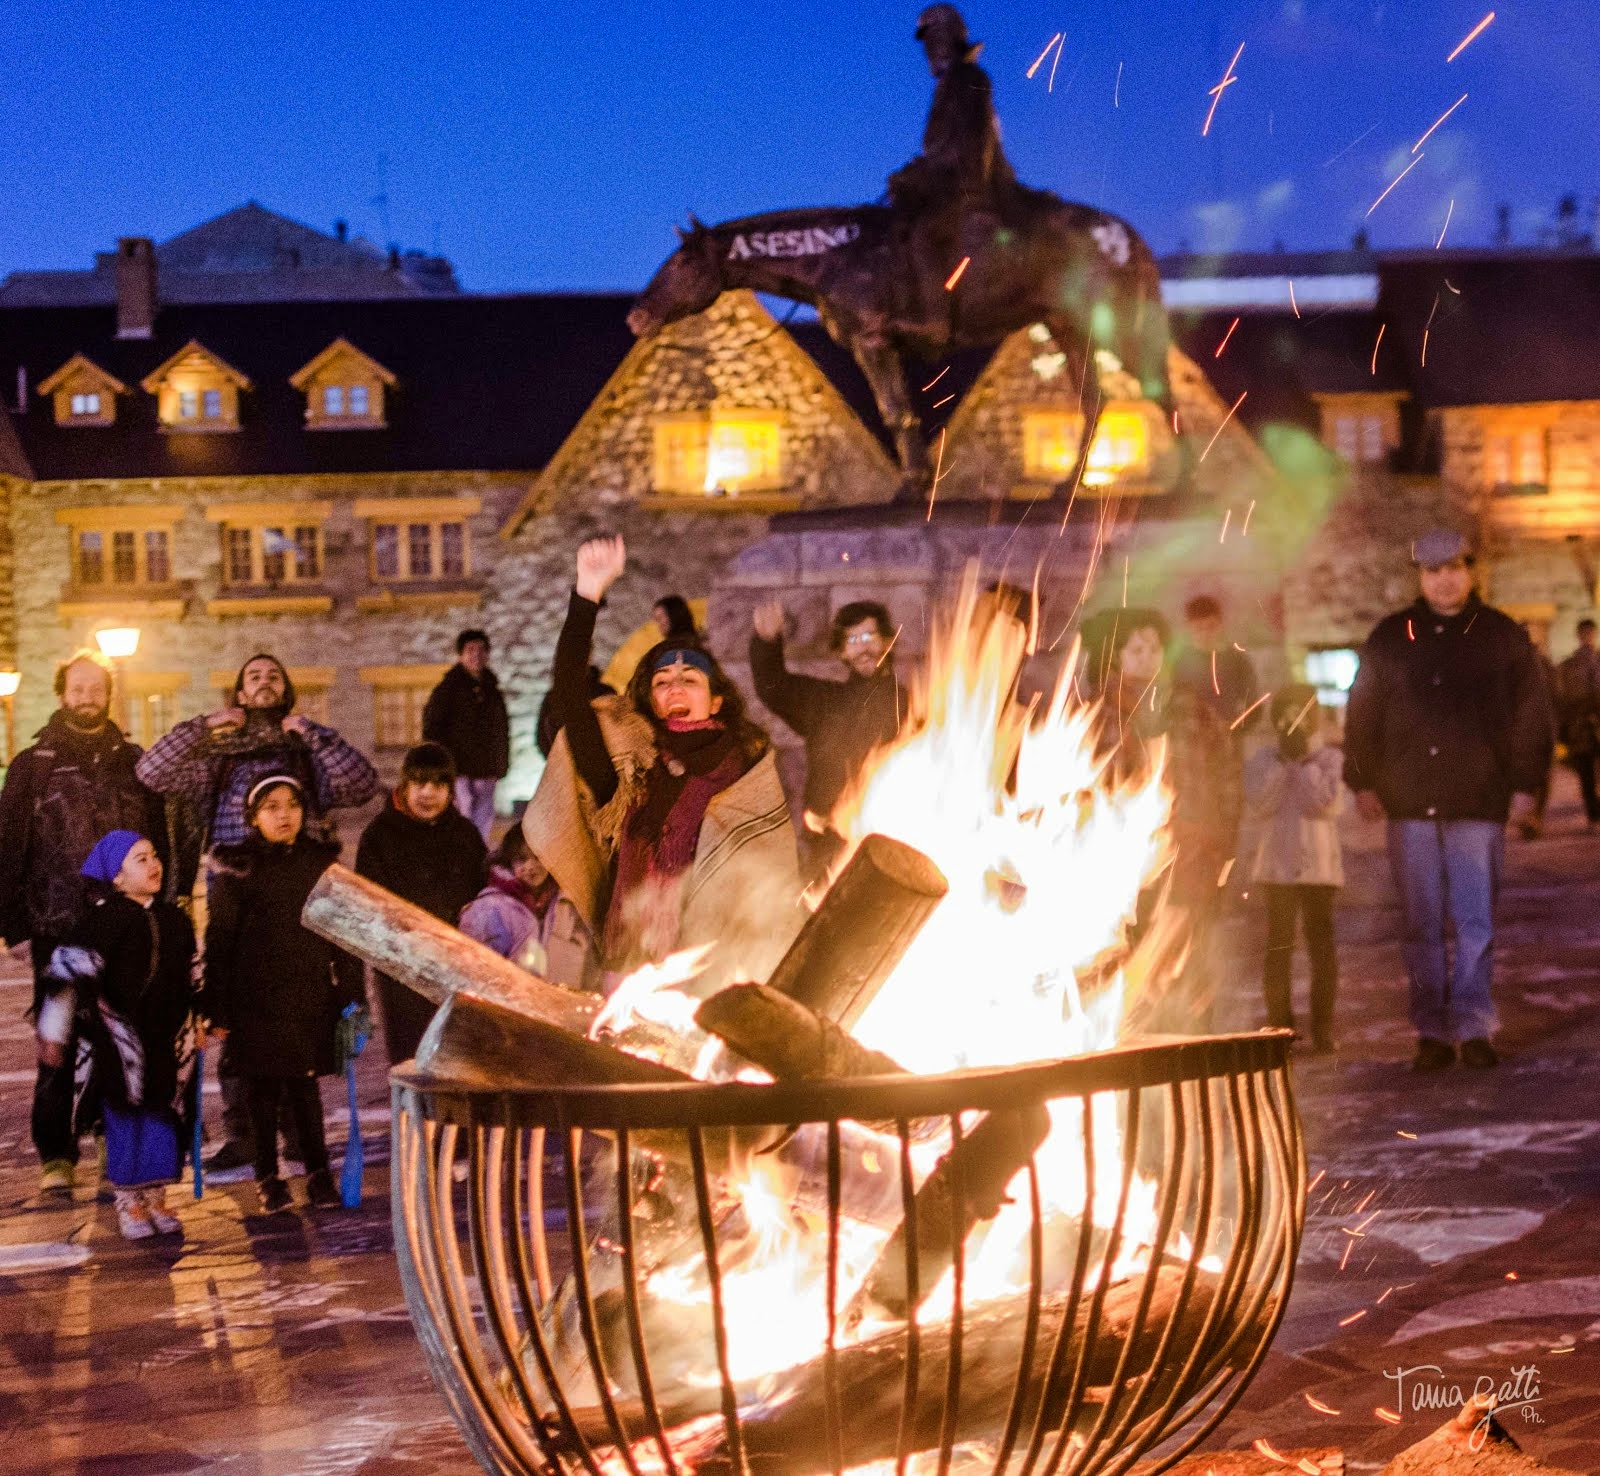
(1353, 1317)
(936, 378)
(1393, 182)
(1125, 581)
(938, 464)
(1050, 86)
(1215, 689)
(1369, 1219)
(945, 401)
(1304, 1464)
(1398, 1133)
(1512, 1276)
(1250, 709)
(1427, 326)
(1225, 419)
(1225, 337)
(1388, 1416)
(1321, 1174)
(1366, 1200)
(1411, 635)
(1319, 1406)
(1446, 226)
(1116, 92)
(1440, 119)
(1344, 1260)
(1381, 1300)
(1326, 163)
(955, 276)
(1039, 60)
(1228, 79)
(1226, 872)
(1263, 1448)
(1382, 329)
(1568, 1349)
(1292, 302)
(1353, 1234)
(1222, 537)
(1470, 37)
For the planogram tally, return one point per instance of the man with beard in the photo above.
(212, 762)
(76, 783)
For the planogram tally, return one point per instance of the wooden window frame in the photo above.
(1065, 426)
(411, 685)
(77, 379)
(683, 443)
(108, 534)
(345, 368)
(256, 532)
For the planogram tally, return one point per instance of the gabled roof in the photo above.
(79, 364)
(340, 348)
(192, 350)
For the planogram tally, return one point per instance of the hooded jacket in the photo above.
(60, 797)
(1450, 715)
(467, 714)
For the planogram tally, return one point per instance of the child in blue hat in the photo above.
(127, 974)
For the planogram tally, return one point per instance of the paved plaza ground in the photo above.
(1455, 1222)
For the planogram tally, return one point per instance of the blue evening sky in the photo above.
(552, 146)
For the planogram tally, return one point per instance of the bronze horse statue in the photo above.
(1087, 276)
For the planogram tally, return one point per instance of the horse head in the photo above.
(688, 282)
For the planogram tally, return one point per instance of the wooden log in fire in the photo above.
(786, 1037)
(861, 929)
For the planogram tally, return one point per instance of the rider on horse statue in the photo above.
(962, 171)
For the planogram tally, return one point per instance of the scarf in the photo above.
(660, 835)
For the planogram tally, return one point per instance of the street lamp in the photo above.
(9, 682)
(118, 643)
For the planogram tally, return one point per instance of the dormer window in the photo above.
(83, 393)
(719, 453)
(197, 391)
(344, 389)
(1119, 453)
(1361, 428)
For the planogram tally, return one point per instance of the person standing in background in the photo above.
(1578, 697)
(467, 714)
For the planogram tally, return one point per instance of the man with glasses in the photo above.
(840, 721)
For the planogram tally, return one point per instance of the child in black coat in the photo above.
(127, 977)
(274, 986)
(425, 850)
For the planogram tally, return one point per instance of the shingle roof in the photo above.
(485, 383)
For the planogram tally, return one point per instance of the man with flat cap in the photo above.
(1448, 735)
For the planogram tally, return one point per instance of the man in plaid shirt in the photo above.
(209, 764)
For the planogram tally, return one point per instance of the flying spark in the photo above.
(1250, 709)
(1470, 37)
(1222, 537)
(955, 276)
(1353, 1317)
(1426, 327)
(1292, 302)
(1393, 182)
(1446, 226)
(1386, 1291)
(936, 378)
(1442, 116)
(1225, 337)
(1228, 79)
(1263, 1448)
(1382, 327)
(1116, 92)
(1249, 512)
(938, 464)
(1050, 86)
(1388, 1416)
(1319, 1406)
(1039, 60)
(1399, 1133)
(1225, 419)
(945, 401)
(1344, 1260)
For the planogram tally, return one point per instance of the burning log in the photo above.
(980, 1165)
(786, 1037)
(852, 942)
(783, 1416)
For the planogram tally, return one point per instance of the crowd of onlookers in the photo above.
(660, 824)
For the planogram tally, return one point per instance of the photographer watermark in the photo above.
(1427, 1388)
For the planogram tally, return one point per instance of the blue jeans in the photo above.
(1448, 876)
(475, 800)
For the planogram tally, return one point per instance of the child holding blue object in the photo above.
(127, 974)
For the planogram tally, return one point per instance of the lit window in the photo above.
(398, 711)
(333, 399)
(82, 393)
(1050, 445)
(271, 555)
(344, 388)
(1332, 672)
(725, 451)
(188, 404)
(358, 400)
(86, 404)
(1517, 459)
(211, 402)
(1530, 458)
(135, 556)
(1371, 438)
(417, 551)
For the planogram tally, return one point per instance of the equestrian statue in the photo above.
(960, 256)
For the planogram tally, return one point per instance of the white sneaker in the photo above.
(155, 1207)
(133, 1220)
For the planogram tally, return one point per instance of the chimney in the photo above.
(341, 229)
(136, 287)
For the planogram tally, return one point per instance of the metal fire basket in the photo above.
(529, 1280)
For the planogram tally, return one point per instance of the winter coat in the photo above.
(60, 797)
(1578, 695)
(127, 971)
(1449, 716)
(1298, 805)
(272, 983)
(216, 769)
(841, 722)
(512, 919)
(437, 865)
(467, 714)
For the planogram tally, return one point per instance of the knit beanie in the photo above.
(109, 852)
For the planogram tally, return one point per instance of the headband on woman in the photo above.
(272, 781)
(682, 656)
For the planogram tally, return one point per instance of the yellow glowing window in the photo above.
(725, 452)
(1050, 445)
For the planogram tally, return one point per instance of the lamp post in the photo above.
(116, 645)
(9, 682)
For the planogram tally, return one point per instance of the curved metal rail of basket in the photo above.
(1073, 1375)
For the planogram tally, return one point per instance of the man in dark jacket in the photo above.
(467, 714)
(425, 850)
(841, 722)
(1447, 734)
(76, 783)
(1578, 687)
